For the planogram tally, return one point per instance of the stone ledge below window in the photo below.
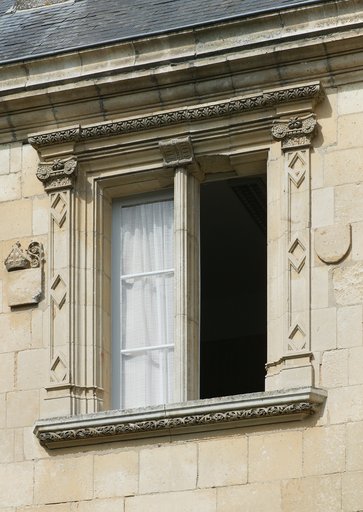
(189, 417)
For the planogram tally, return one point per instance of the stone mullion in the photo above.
(186, 275)
(178, 154)
(295, 363)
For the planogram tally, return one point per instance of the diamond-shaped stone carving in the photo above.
(59, 209)
(58, 369)
(58, 291)
(297, 339)
(297, 168)
(297, 254)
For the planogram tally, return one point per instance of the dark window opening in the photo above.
(233, 287)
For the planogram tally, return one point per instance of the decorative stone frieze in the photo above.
(228, 107)
(58, 175)
(173, 419)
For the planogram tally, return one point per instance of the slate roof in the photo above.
(84, 23)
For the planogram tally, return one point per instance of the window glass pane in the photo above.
(147, 378)
(147, 311)
(143, 286)
(147, 237)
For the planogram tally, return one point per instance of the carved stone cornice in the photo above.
(58, 175)
(197, 416)
(295, 132)
(236, 105)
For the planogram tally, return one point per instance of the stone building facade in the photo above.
(102, 103)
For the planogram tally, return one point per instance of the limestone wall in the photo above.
(314, 464)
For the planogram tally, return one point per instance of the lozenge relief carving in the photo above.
(296, 135)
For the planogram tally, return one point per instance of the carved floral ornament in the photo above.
(20, 259)
(312, 91)
(60, 174)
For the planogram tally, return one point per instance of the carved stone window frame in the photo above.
(83, 168)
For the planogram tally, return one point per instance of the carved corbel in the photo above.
(60, 174)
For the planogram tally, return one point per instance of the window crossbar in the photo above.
(143, 349)
(151, 273)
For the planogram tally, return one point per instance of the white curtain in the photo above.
(146, 304)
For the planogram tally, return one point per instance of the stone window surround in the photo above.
(77, 369)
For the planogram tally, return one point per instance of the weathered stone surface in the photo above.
(231, 468)
(24, 287)
(250, 498)
(349, 326)
(168, 468)
(352, 491)
(203, 500)
(318, 494)
(355, 446)
(332, 243)
(11, 491)
(116, 474)
(348, 284)
(62, 480)
(329, 443)
(275, 456)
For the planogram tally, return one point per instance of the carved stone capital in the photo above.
(178, 153)
(295, 132)
(60, 174)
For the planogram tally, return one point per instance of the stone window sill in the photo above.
(189, 417)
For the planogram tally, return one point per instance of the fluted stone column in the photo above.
(178, 154)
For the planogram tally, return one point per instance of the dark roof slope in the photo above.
(36, 32)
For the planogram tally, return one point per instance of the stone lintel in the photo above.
(195, 416)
